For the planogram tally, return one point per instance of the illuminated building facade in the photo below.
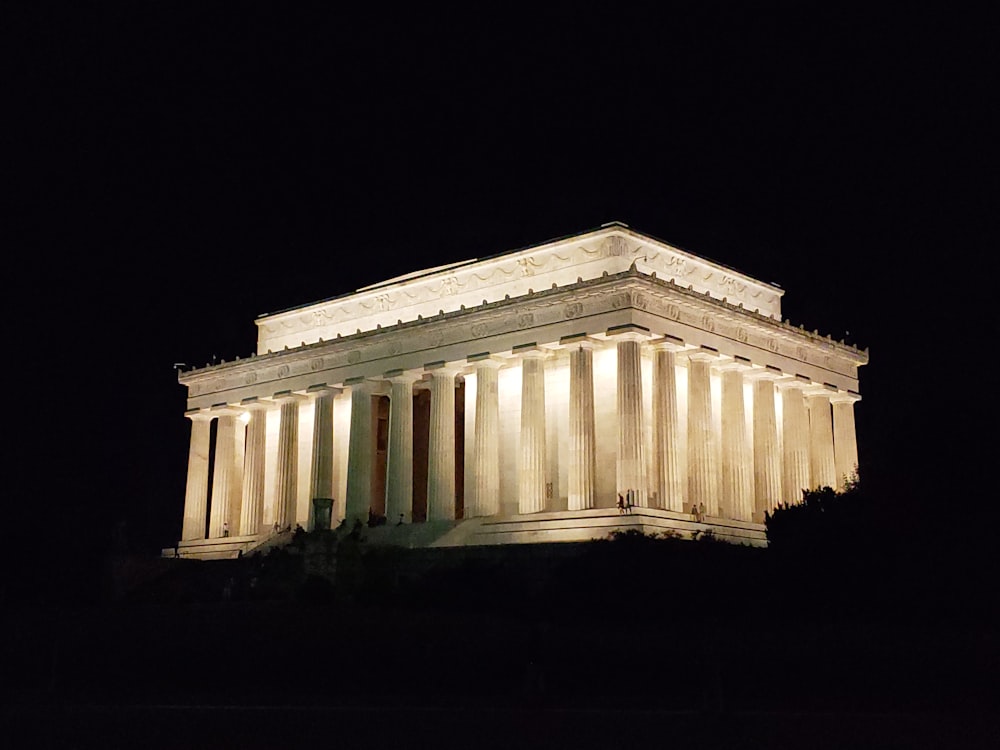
(515, 398)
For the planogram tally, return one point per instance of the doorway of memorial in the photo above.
(380, 452)
(421, 436)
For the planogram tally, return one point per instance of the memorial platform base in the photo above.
(535, 528)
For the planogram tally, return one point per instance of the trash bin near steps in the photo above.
(322, 512)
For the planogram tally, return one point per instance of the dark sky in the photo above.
(177, 171)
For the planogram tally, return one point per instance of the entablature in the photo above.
(584, 306)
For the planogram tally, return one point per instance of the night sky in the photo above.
(178, 171)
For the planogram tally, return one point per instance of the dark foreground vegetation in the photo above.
(850, 613)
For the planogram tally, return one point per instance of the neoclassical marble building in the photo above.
(514, 398)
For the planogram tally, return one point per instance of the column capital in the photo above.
(484, 359)
(767, 372)
(668, 343)
(821, 389)
(628, 332)
(703, 354)
(225, 410)
(280, 396)
(845, 397)
(793, 381)
(198, 415)
(401, 376)
(443, 368)
(323, 389)
(360, 383)
(530, 351)
(736, 364)
(578, 341)
(252, 403)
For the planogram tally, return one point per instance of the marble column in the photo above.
(845, 441)
(531, 468)
(822, 469)
(736, 497)
(582, 437)
(223, 476)
(360, 452)
(631, 465)
(766, 448)
(321, 468)
(252, 508)
(703, 481)
(795, 441)
(441, 444)
(196, 493)
(399, 469)
(666, 458)
(486, 449)
(287, 477)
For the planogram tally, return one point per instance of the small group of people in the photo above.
(698, 511)
(626, 502)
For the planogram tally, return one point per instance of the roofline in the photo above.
(417, 275)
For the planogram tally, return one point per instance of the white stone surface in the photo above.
(196, 494)
(582, 437)
(845, 442)
(341, 449)
(822, 470)
(224, 477)
(287, 478)
(588, 256)
(441, 446)
(532, 466)
(766, 448)
(303, 464)
(321, 473)
(703, 478)
(631, 465)
(359, 460)
(736, 499)
(399, 470)
(795, 426)
(486, 441)
(252, 507)
(666, 455)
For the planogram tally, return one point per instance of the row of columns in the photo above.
(819, 446)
